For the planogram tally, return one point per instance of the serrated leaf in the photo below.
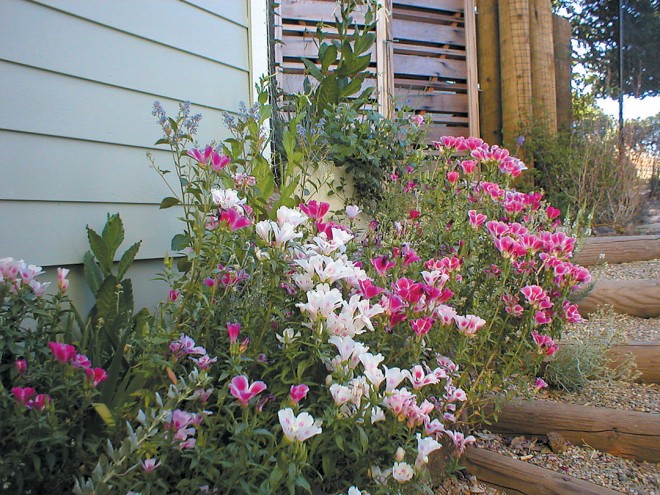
(105, 414)
(113, 234)
(127, 259)
(169, 202)
(107, 300)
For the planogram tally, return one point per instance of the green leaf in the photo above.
(127, 259)
(93, 274)
(162, 141)
(179, 242)
(113, 234)
(100, 250)
(313, 69)
(107, 300)
(352, 87)
(327, 93)
(329, 57)
(105, 414)
(354, 66)
(364, 43)
(169, 202)
(304, 484)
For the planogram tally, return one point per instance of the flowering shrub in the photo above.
(303, 354)
(48, 388)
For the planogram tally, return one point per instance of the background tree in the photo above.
(596, 29)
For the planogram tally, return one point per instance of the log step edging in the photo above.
(646, 355)
(632, 297)
(522, 478)
(618, 249)
(628, 434)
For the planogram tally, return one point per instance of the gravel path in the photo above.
(623, 475)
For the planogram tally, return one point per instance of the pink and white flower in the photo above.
(298, 428)
(241, 388)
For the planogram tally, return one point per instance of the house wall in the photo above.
(77, 82)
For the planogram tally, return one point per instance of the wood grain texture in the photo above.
(561, 39)
(544, 93)
(627, 434)
(631, 297)
(488, 58)
(646, 355)
(619, 249)
(521, 478)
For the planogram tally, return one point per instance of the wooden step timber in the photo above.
(623, 249)
(521, 478)
(647, 358)
(632, 297)
(627, 434)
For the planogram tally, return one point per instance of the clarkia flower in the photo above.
(233, 329)
(20, 365)
(298, 428)
(315, 210)
(298, 392)
(96, 375)
(545, 344)
(402, 472)
(240, 388)
(234, 220)
(149, 465)
(63, 353)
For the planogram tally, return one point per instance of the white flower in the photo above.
(299, 427)
(377, 414)
(321, 302)
(400, 454)
(425, 446)
(340, 394)
(227, 199)
(288, 336)
(402, 472)
(263, 229)
(290, 216)
(352, 211)
(393, 377)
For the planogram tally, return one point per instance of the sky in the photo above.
(633, 108)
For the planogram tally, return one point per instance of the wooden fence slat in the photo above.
(628, 434)
(472, 72)
(317, 11)
(436, 132)
(431, 67)
(447, 5)
(639, 297)
(429, 83)
(619, 249)
(432, 33)
(521, 478)
(404, 48)
(488, 58)
(428, 16)
(432, 101)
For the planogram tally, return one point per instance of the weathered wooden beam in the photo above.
(631, 297)
(544, 93)
(561, 39)
(472, 67)
(521, 478)
(628, 434)
(488, 59)
(619, 249)
(646, 355)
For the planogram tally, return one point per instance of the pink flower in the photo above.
(469, 324)
(172, 295)
(202, 156)
(468, 166)
(233, 329)
(234, 220)
(539, 384)
(352, 211)
(63, 353)
(149, 465)
(204, 362)
(20, 365)
(62, 281)
(421, 326)
(23, 394)
(40, 402)
(476, 219)
(452, 177)
(96, 375)
(368, 289)
(218, 161)
(571, 312)
(315, 210)
(298, 392)
(240, 388)
(81, 361)
(382, 265)
(542, 318)
(545, 344)
(417, 120)
(552, 212)
(414, 214)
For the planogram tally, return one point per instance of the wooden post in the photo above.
(561, 38)
(628, 434)
(472, 71)
(629, 297)
(490, 94)
(516, 69)
(384, 58)
(544, 96)
(646, 355)
(521, 478)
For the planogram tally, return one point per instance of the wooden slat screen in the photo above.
(428, 70)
